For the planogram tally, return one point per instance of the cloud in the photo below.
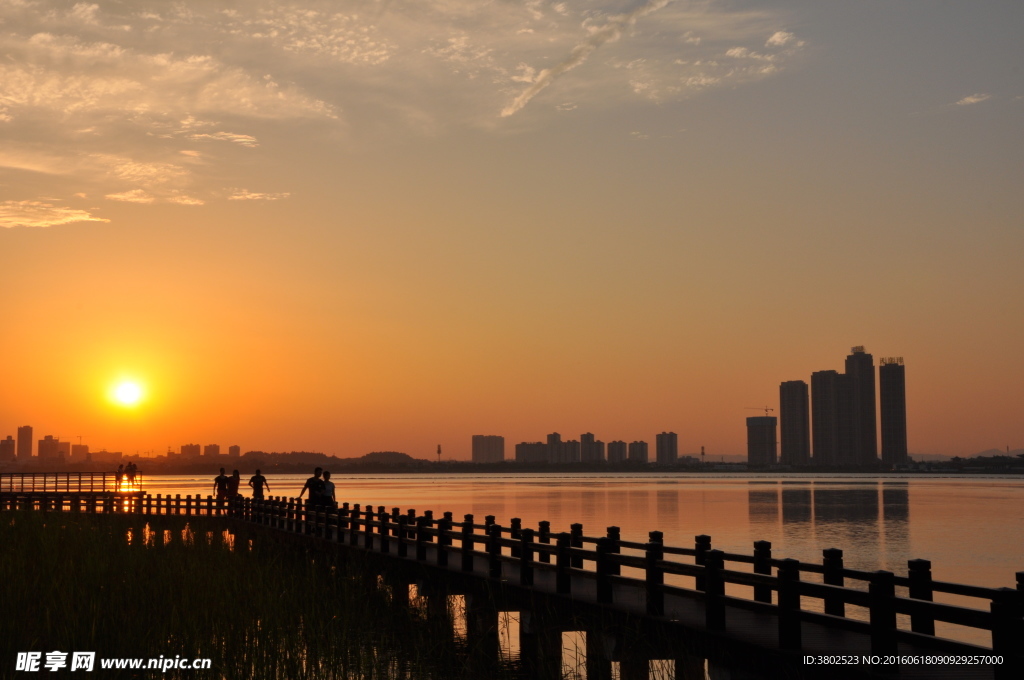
(612, 30)
(781, 38)
(241, 140)
(131, 196)
(246, 195)
(41, 214)
(973, 99)
(126, 99)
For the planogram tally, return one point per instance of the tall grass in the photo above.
(117, 586)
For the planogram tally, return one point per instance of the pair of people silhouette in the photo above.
(321, 490)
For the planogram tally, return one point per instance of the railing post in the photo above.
(920, 574)
(614, 538)
(655, 575)
(515, 529)
(368, 533)
(544, 536)
(701, 544)
(467, 543)
(832, 566)
(714, 590)
(421, 538)
(343, 513)
(526, 557)
(882, 614)
(353, 524)
(402, 535)
(604, 582)
(385, 532)
(790, 634)
(444, 525)
(563, 579)
(576, 541)
(494, 550)
(1008, 631)
(763, 565)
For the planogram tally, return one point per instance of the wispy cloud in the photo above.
(611, 30)
(246, 195)
(241, 140)
(127, 100)
(41, 214)
(973, 99)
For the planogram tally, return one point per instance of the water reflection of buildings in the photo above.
(868, 521)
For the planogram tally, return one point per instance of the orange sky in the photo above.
(391, 232)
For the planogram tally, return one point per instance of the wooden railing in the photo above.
(69, 482)
(655, 570)
(573, 558)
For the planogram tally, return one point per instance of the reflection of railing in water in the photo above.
(634, 579)
(70, 482)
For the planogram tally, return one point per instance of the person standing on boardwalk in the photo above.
(220, 485)
(234, 481)
(315, 485)
(119, 475)
(329, 500)
(257, 482)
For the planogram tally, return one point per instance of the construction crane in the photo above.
(758, 408)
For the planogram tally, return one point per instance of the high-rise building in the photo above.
(617, 451)
(892, 397)
(761, 440)
(638, 452)
(24, 442)
(80, 452)
(591, 450)
(832, 419)
(48, 447)
(488, 448)
(8, 449)
(235, 450)
(64, 449)
(860, 366)
(211, 450)
(190, 450)
(666, 448)
(795, 423)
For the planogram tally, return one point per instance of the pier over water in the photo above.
(636, 603)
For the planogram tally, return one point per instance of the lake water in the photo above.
(970, 527)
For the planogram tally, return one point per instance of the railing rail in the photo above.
(70, 482)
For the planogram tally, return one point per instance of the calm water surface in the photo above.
(970, 527)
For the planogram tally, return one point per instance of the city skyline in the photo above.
(350, 227)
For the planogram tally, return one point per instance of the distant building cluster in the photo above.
(586, 449)
(204, 452)
(835, 424)
(50, 449)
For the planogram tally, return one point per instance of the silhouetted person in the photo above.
(129, 473)
(257, 482)
(315, 485)
(220, 485)
(329, 499)
(234, 481)
(119, 475)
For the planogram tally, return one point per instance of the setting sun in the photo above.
(127, 393)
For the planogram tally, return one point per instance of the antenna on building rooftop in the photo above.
(758, 408)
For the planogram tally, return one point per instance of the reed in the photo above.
(131, 586)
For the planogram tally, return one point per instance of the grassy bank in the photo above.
(126, 586)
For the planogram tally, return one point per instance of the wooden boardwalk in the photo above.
(753, 611)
